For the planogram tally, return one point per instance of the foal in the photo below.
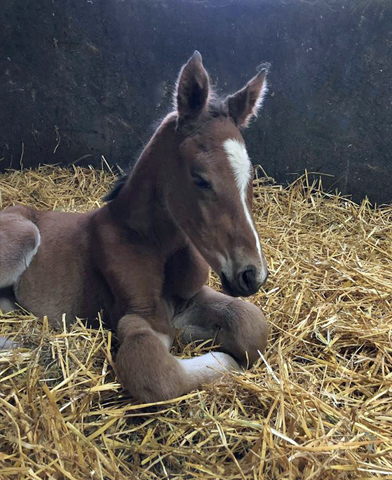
(144, 256)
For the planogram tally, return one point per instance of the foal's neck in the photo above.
(141, 204)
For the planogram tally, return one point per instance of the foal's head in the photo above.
(210, 183)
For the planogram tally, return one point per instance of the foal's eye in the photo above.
(201, 182)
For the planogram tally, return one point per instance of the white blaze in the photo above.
(241, 166)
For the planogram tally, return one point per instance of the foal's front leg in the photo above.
(148, 370)
(238, 326)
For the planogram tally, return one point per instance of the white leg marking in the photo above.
(165, 339)
(208, 367)
(241, 166)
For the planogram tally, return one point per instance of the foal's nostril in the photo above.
(247, 279)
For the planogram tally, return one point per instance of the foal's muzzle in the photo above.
(244, 283)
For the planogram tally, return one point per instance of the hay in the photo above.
(318, 405)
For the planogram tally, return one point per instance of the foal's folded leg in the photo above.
(150, 373)
(238, 326)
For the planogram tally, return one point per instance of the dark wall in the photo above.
(85, 78)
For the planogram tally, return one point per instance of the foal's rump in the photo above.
(44, 256)
(19, 242)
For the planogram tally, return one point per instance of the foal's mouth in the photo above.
(235, 289)
(229, 288)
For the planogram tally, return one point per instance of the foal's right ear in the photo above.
(193, 87)
(245, 104)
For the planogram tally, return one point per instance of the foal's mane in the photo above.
(216, 108)
(117, 187)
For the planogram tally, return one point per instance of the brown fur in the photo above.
(143, 257)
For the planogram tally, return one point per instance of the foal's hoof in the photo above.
(7, 344)
(7, 305)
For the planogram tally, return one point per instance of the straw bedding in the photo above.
(318, 405)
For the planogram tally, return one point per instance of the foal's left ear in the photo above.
(245, 103)
(192, 88)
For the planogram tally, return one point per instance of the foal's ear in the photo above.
(192, 88)
(245, 103)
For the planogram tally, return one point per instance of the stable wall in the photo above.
(81, 79)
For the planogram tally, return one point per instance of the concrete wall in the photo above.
(85, 78)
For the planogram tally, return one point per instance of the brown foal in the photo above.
(143, 258)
